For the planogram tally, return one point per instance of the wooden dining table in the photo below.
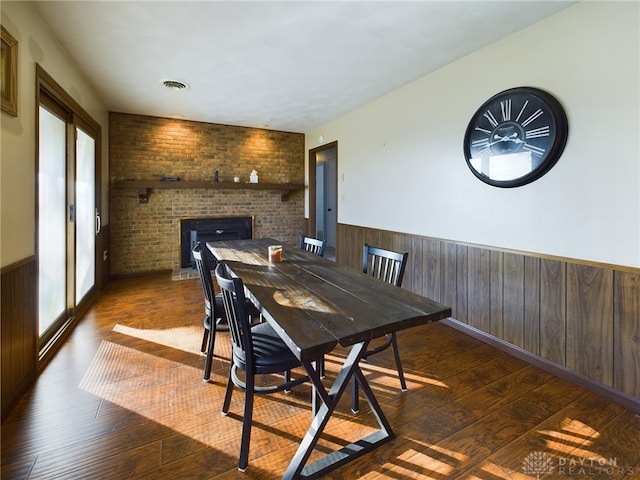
(315, 304)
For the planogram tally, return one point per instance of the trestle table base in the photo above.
(350, 369)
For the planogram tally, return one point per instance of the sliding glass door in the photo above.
(87, 219)
(68, 219)
(52, 224)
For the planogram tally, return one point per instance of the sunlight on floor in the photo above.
(577, 427)
(155, 388)
(572, 435)
(412, 461)
(500, 472)
(414, 380)
(162, 390)
(183, 338)
(437, 460)
(457, 456)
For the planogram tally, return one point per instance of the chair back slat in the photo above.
(235, 302)
(204, 272)
(383, 264)
(313, 245)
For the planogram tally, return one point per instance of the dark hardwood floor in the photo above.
(124, 398)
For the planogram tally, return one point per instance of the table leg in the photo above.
(350, 368)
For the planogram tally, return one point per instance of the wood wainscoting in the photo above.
(18, 330)
(20, 337)
(583, 317)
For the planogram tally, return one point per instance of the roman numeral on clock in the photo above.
(492, 120)
(537, 132)
(533, 149)
(484, 145)
(506, 110)
(483, 142)
(483, 130)
(532, 117)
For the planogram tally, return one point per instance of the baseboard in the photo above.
(625, 400)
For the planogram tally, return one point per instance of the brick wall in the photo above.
(146, 236)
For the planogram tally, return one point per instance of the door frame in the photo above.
(312, 186)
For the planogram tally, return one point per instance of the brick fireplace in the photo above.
(146, 236)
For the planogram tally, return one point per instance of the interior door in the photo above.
(321, 220)
(323, 205)
(68, 219)
(330, 219)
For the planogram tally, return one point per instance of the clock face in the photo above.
(515, 137)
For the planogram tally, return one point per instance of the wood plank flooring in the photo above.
(124, 398)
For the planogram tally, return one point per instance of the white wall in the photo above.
(408, 145)
(17, 160)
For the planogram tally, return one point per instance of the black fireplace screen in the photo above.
(193, 230)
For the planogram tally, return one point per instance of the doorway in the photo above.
(68, 219)
(323, 214)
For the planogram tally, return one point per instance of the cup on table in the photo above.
(275, 253)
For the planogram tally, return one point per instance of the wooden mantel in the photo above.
(143, 187)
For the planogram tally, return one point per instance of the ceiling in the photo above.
(288, 66)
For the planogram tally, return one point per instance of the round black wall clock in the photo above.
(515, 137)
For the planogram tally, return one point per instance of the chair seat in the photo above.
(270, 352)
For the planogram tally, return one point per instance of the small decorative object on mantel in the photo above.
(515, 137)
(9, 84)
(253, 178)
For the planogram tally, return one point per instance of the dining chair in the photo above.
(213, 307)
(388, 266)
(317, 246)
(313, 245)
(256, 350)
(214, 316)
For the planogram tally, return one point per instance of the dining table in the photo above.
(316, 304)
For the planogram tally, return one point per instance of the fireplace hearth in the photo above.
(194, 230)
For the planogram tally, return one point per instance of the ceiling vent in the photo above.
(175, 84)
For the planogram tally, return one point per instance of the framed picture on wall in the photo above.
(9, 65)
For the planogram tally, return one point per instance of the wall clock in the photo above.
(515, 137)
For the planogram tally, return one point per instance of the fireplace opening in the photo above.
(194, 230)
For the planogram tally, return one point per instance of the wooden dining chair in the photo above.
(388, 266)
(313, 245)
(256, 350)
(214, 316)
(317, 246)
(213, 306)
